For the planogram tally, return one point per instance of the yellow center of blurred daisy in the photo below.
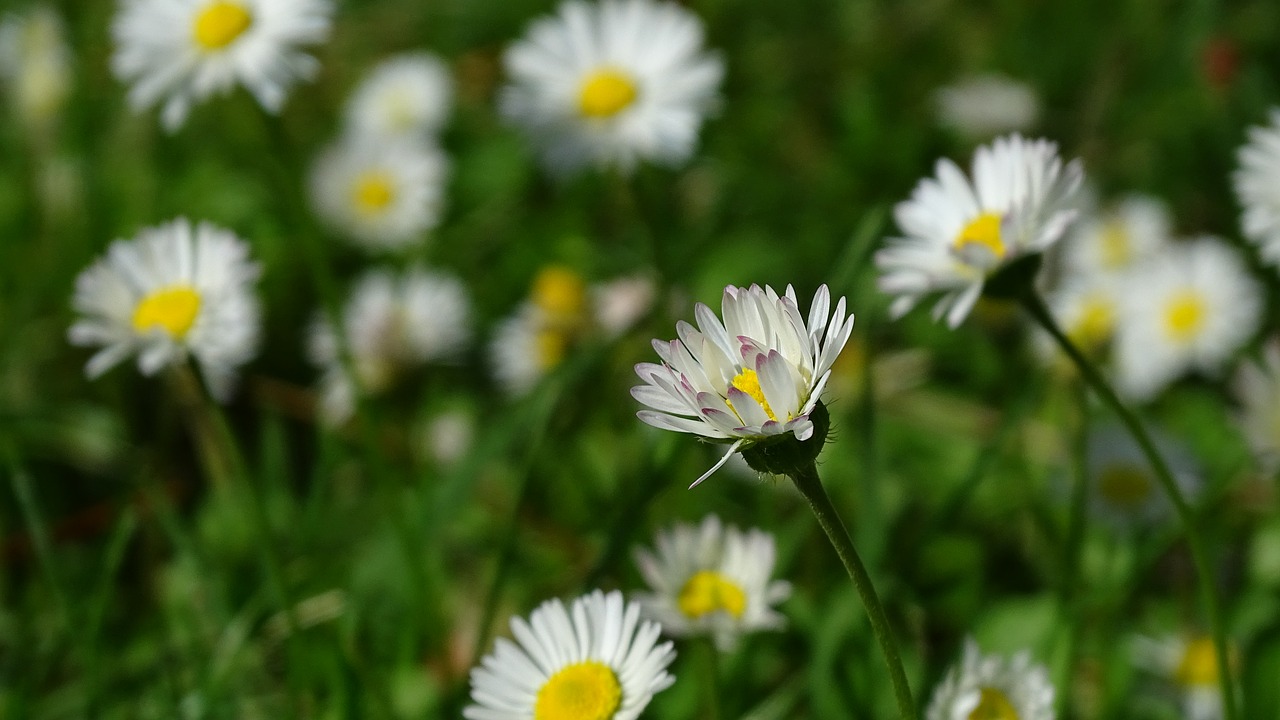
(561, 294)
(1093, 327)
(551, 346)
(983, 232)
(749, 382)
(172, 309)
(993, 705)
(708, 592)
(1184, 315)
(220, 23)
(1199, 664)
(373, 192)
(1123, 485)
(585, 691)
(1116, 250)
(606, 93)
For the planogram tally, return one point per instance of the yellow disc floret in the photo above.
(220, 23)
(708, 592)
(585, 691)
(560, 294)
(993, 705)
(372, 192)
(1184, 315)
(1198, 666)
(1117, 248)
(606, 93)
(1124, 485)
(173, 309)
(982, 232)
(551, 345)
(749, 382)
(1094, 326)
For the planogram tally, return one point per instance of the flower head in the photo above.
(1123, 489)
(959, 233)
(35, 65)
(1118, 240)
(1257, 388)
(1256, 181)
(756, 376)
(986, 686)
(407, 97)
(981, 106)
(594, 661)
(174, 291)
(179, 52)
(611, 83)
(1189, 662)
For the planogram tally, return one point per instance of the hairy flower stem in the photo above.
(1034, 305)
(810, 486)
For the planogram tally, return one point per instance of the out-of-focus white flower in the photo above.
(1257, 184)
(447, 436)
(1124, 491)
(1189, 662)
(982, 106)
(1085, 308)
(406, 97)
(538, 336)
(1137, 228)
(35, 65)
(611, 84)
(179, 52)
(989, 686)
(621, 303)
(1257, 388)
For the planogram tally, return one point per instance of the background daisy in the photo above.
(990, 686)
(982, 106)
(1256, 181)
(406, 97)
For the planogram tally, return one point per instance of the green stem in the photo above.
(810, 486)
(711, 678)
(1069, 604)
(1035, 306)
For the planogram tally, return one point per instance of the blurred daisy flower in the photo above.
(406, 97)
(179, 52)
(1124, 491)
(594, 661)
(1190, 662)
(384, 194)
(1257, 389)
(35, 65)
(959, 233)
(611, 83)
(756, 376)
(1085, 308)
(174, 291)
(982, 106)
(1256, 180)
(1115, 241)
(1189, 308)
(988, 686)
(712, 580)
(392, 323)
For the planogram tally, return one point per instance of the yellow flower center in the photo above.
(606, 93)
(1124, 485)
(1184, 315)
(373, 192)
(1199, 664)
(993, 705)
(1116, 248)
(561, 294)
(220, 23)
(585, 691)
(749, 382)
(981, 235)
(551, 344)
(1093, 327)
(172, 309)
(709, 591)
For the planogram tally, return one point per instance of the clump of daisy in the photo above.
(1256, 180)
(173, 292)
(405, 97)
(982, 106)
(35, 65)
(1257, 388)
(1124, 491)
(1188, 309)
(595, 661)
(712, 580)
(382, 194)
(991, 686)
(611, 84)
(179, 52)
(1189, 662)
(958, 233)
(392, 323)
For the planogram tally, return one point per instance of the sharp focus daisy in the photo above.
(595, 661)
(383, 194)
(982, 106)
(1190, 663)
(1115, 241)
(1190, 308)
(958, 232)
(756, 375)
(1257, 184)
(611, 83)
(174, 291)
(35, 65)
(179, 52)
(1257, 388)
(1124, 491)
(407, 96)
(990, 686)
(712, 580)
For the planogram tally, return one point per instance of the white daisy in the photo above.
(611, 83)
(384, 194)
(406, 97)
(448, 436)
(712, 580)
(179, 52)
(1257, 184)
(754, 377)
(621, 303)
(35, 65)
(989, 686)
(1134, 230)
(1189, 308)
(1190, 663)
(1085, 307)
(958, 233)
(173, 291)
(1257, 388)
(595, 661)
(538, 336)
(1123, 489)
(982, 106)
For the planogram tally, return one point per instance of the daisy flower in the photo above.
(1190, 663)
(1123, 489)
(179, 52)
(1135, 229)
(1257, 388)
(756, 376)
(1190, 308)
(987, 686)
(611, 83)
(537, 337)
(712, 580)
(174, 291)
(1256, 181)
(35, 65)
(958, 233)
(981, 106)
(595, 661)
(1085, 308)
(406, 97)
(384, 194)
